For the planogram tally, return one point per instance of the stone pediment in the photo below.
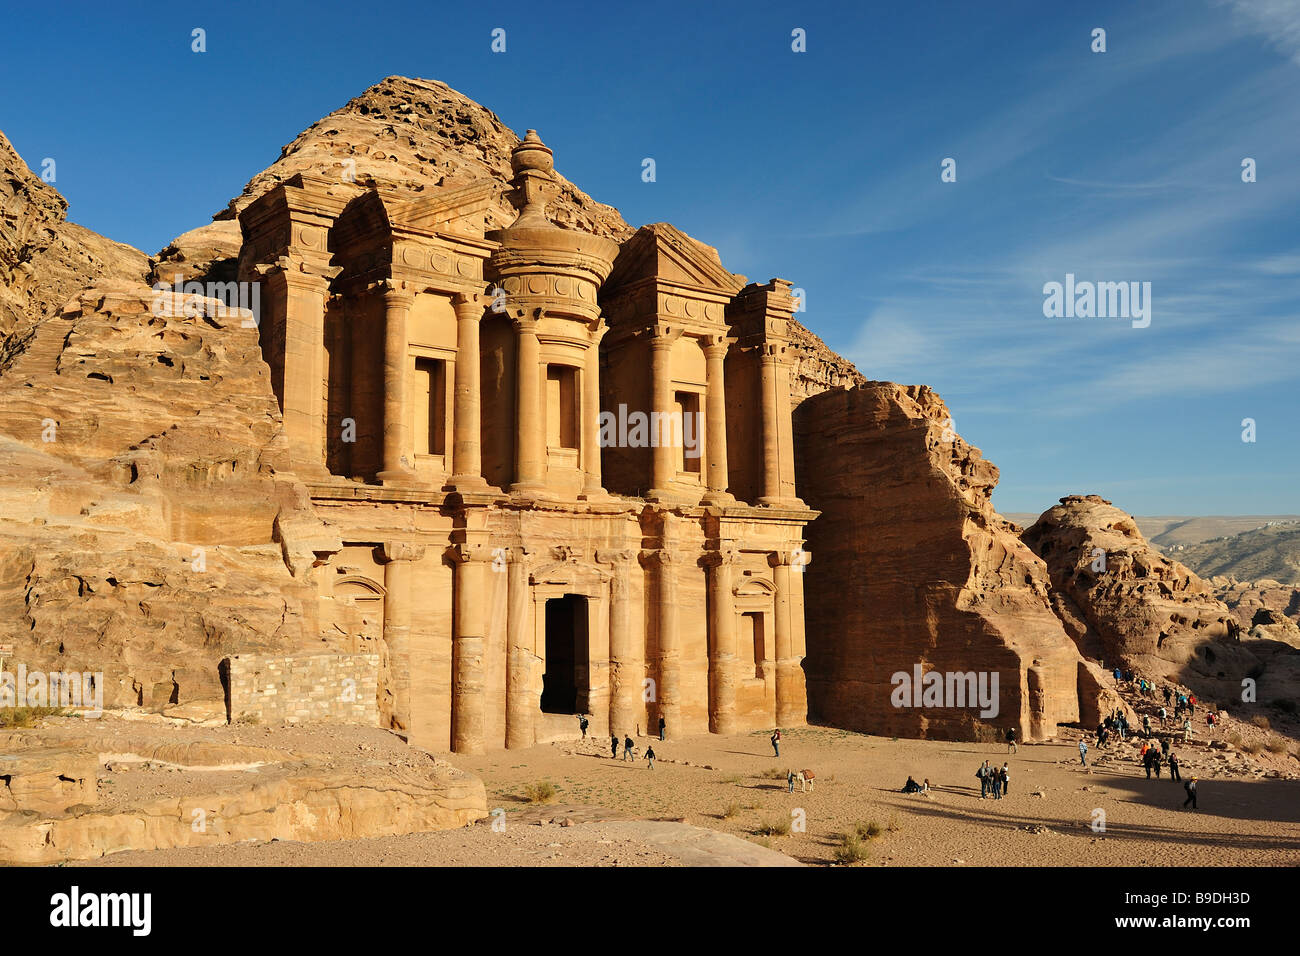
(664, 254)
(455, 209)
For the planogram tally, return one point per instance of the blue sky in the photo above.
(822, 167)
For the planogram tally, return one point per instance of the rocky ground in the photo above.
(624, 814)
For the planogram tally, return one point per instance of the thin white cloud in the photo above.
(1278, 20)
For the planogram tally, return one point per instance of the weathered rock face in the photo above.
(911, 565)
(413, 134)
(1246, 598)
(140, 497)
(1124, 602)
(43, 258)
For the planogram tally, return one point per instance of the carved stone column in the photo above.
(769, 363)
(468, 690)
(521, 698)
(715, 442)
(668, 699)
(722, 642)
(397, 428)
(664, 457)
(626, 665)
(592, 487)
(303, 295)
(791, 697)
(466, 447)
(530, 452)
(399, 560)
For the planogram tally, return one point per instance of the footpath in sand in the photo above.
(708, 797)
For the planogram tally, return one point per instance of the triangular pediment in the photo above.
(663, 252)
(457, 209)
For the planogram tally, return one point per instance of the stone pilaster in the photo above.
(395, 467)
(592, 487)
(399, 561)
(722, 641)
(530, 450)
(301, 295)
(668, 700)
(467, 446)
(626, 664)
(715, 423)
(521, 696)
(769, 369)
(791, 695)
(663, 454)
(468, 691)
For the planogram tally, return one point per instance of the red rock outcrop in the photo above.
(1124, 602)
(911, 565)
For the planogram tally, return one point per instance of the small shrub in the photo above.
(1235, 740)
(851, 849)
(773, 774)
(26, 716)
(867, 831)
(779, 828)
(731, 811)
(1275, 745)
(542, 792)
(1253, 747)
(1260, 721)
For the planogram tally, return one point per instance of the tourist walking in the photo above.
(1190, 787)
(1187, 730)
(650, 755)
(1146, 725)
(1012, 746)
(613, 746)
(1173, 767)
(1083, 752)
(662, 726)
(776, 743)
(1155, 761)
(583, 723)
(627, 749)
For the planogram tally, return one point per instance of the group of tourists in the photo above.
(1153, 757)
(1115, 725)
(993, 780)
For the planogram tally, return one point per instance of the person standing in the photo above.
(1173, 767)
(613, 745)
(1083, 752)
(650, 756)
(1187, 730)
(662, 726)
(1190, 787)
(1004, 777)
(789, 778)
(1146, 725)
(1146, 762)
(984, 772)
(1155, 761)
(1012, 745)
(776, 743)
(583, 723)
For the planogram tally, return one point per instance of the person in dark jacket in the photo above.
(1190, 787)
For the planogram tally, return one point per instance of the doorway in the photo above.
(564, 684)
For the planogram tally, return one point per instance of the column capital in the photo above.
(664, 336)
(722, 557)
(786, 557)
(664, 557)
(616, 557)
(469, 305)
(715, 347)
(467, 553)
(402, 551)
(525, 323)
(299, 273)
(395, 292)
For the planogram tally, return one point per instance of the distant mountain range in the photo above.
(1245, 547)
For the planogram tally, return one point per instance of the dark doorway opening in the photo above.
(564, 684)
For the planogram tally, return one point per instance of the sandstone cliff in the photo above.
(44, 259)
(1123, 601)
(911, 565)
(140, 496)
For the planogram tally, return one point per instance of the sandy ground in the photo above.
(623, 813)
